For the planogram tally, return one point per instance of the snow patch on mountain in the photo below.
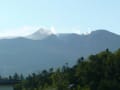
(41, 34)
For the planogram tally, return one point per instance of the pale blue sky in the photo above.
(22, 16)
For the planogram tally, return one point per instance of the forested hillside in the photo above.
(98, 72)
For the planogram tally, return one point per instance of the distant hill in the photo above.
(40, 50)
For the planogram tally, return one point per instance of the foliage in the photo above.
(98, 72)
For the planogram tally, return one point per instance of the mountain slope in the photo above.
(25, 55)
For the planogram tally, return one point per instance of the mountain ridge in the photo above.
(25, 55)
(42, 34)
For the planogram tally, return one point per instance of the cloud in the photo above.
(80, 30)
(53, 30)
(27, 30)
(24, 31)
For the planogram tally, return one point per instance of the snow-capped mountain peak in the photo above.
(40, 34)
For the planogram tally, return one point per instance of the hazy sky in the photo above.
(25, 16)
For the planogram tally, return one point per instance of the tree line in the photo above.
(97, 72)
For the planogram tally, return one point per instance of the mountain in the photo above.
(46, 50)
(40, 34)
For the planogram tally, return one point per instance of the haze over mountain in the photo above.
(40, 34)
(44, 49)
